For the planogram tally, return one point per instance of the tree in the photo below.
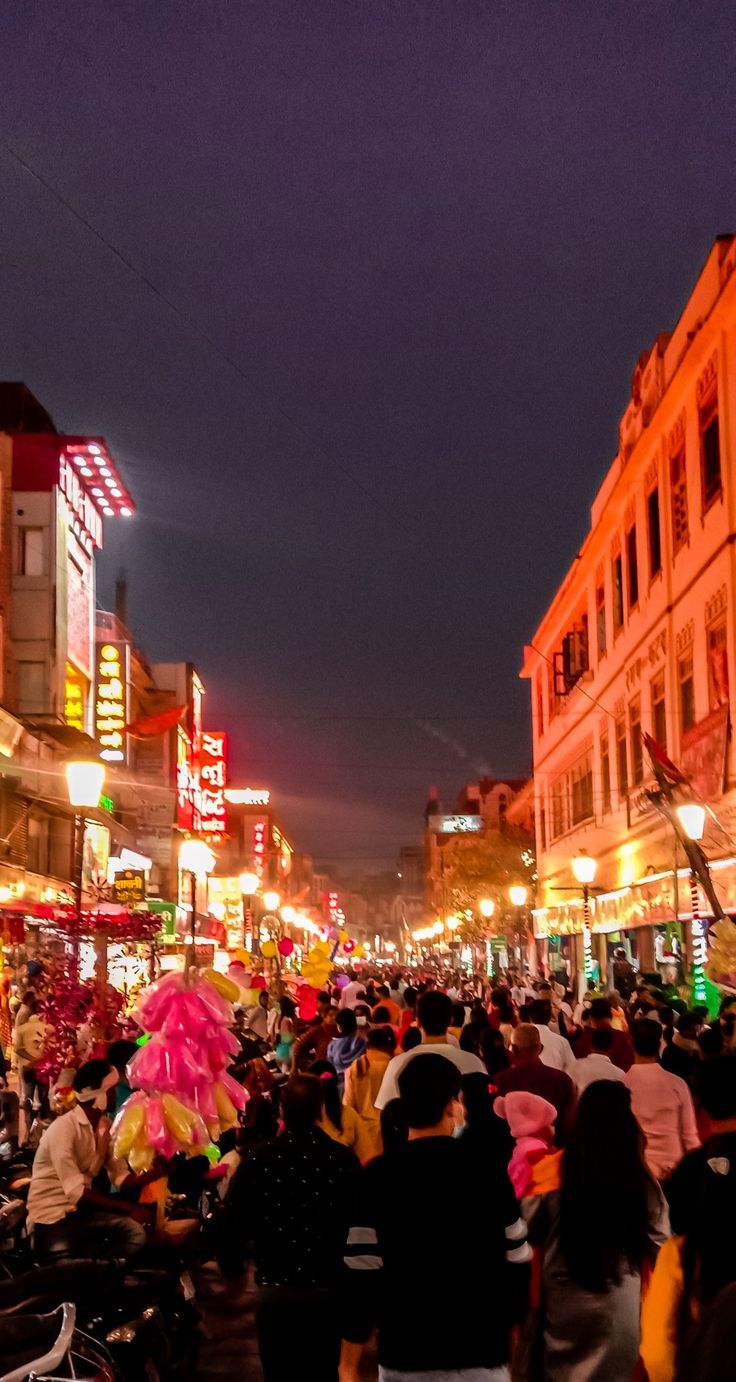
(486, 866)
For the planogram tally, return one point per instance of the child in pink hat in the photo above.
(531, 1120)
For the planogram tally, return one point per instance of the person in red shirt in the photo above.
(312, 1044)
(529, 1074)
(386, 1001)
(621, 1051)
(409, 1014)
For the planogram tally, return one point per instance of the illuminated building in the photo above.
(640, 636)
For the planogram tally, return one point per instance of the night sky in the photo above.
(354, 291)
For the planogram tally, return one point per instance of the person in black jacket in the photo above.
(432, 1320)
(292, 1198)
(682, 1055)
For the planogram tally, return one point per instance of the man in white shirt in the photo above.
(67, 1216)
(662, 1103)
(349, 994)
(434, 1013)
(556, 1050)
(598, 1065)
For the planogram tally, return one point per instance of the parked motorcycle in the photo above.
(33, 1347)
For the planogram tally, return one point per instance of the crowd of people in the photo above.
(479, 1180)
(499, 1180)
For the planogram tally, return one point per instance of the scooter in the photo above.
(142, 1317)
(48, 1348)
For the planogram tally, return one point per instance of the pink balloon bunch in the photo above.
(189, 1049)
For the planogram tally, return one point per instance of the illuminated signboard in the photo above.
(212, 782)
(184, 795)
(248, 796)
(75, 697)
(456, 825)
(80, 503)
(260, 836)
(111, 701)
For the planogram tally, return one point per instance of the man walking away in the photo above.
(529, 1073)
(621, 1051)
(598, 1065)
(292, 1199)
(434, 1014)
(662, 1103)
(556, 1049)
(435, 1321)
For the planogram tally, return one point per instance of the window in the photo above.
(717, 665)
(632, 567)
(543, 827)
(687, 692)
(635, 742)
(559, 808)
(605, 775)
(654, 533)
(31, 552)
(502, 809)
(710, 455)
(659, 716)
(581, 782)
(600, 619)
(618, 594)
(621, 759)
(678, 482)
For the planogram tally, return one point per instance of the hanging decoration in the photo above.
(69, 1006)
(183, 1098)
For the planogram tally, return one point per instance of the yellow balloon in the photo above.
(225, 1106)
(225, 987)
(320, 948)
(342, 936)
(243, 957)
(130, 1126)
(358, 952)
(268, 950)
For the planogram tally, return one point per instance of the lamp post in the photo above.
(85, 778)
(518, 896)
(197, 859)
(692, 819)
(248, 889)
(584, 867)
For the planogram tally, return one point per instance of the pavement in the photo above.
(229, 1347)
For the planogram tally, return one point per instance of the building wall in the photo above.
(678, 610)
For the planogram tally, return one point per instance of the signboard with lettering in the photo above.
(455, 825)
(129, 887)
(167, 913)
(111, 701)
(213, 781)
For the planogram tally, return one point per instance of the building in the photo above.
(640, 637)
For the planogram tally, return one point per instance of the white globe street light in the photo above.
(691, 816)
(197, 859)
(271, 901)
(518, 894)
(486, 907)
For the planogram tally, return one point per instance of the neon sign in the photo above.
(212, 782)
(82, 505)
(111, 702)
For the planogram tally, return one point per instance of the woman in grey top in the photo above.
(595, 1234)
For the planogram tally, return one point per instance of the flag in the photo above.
(659, 759)
(151, 726)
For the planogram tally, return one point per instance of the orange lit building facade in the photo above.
(640, 637)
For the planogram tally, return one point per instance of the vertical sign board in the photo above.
(111, 701)
(213, 781)
(184, 795)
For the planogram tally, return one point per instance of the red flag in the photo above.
(658, 755)
(151, 726)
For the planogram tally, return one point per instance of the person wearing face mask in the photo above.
(449, 1330)
(66, 1215)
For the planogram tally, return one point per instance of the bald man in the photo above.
(529, 1073)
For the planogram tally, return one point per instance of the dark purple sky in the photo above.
(392, 265)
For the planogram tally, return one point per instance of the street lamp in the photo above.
(517, 893)
(248, 889)
(85, 778)
(692, 819)
(197, 859)
(487, 907)
(584, 867)
(271, 901)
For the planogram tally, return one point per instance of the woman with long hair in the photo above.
(338, 1121)
(689, 1313)
(595, 1236)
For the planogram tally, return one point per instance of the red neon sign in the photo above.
(212, 782)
